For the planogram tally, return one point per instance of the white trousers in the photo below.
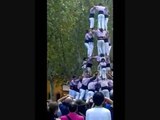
(103, 72)
(91, 22)
(85, 96)
(82, 94)
(106, 23)
(72, 93)
(77, 95)
(106, 48)
(108, 69)
(101, 21)
(88, 50)
(106, 93)
(91, 46)
(109, 49)
(100, 47)
(111, 92)
(89, 70)
(89, 94)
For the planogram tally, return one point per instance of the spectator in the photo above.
(109, 105)
(73, 107)
(52, 111)
(64, 104)
(82, 107)
(98, 112)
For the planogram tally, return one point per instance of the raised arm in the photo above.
(63, 98)
(109, 100)
(94, 77)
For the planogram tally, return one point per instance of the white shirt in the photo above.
(98, 114)
(102, 64)
(98, 58)
(91, 85)
(104, 83)
(79, 85)
(100, 8)
(87, 36)
(85, 81)
(101, 34)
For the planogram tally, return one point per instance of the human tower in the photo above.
(86, 85)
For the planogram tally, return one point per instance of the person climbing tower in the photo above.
(106, 43)
(91, 43)
(102, 69)
(91, 17)
(86, 42)
(106, 14)
(100, 34)
(101, 17)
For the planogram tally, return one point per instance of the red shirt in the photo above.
(73, 116)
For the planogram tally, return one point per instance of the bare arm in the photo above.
(63, 98)
(109, 100)
(110, 76)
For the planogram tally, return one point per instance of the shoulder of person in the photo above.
(60, 103)
(106, 110)
(63, 118)
(89, 110)
(80, 116)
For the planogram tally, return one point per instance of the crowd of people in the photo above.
(90, 94)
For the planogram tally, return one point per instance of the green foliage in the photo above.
(67, 21)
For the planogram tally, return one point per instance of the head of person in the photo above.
(73, 107)
(100, 4)
(102, 60)
(80, 77)
(101, 29)
(73, 77)
(90, 33)
(98, 98)
(81, 106)
(84, 59)
(101, 55)
(53, 107)
(87, 31)
(87, 75)
(68, 100)
(91, 29)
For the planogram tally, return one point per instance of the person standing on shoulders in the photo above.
(91, 17)
(100, 34)
(106, 43)
(86, 42)
(106, 14)
(101, 17)
(91, 44)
